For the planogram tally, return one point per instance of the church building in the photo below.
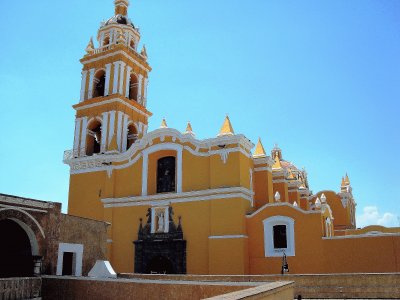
(180, 205)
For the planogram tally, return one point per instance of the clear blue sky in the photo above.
(320, 78)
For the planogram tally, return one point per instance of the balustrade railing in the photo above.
(20, 288)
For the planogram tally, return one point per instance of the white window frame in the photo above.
(77, 249)
(269, 249)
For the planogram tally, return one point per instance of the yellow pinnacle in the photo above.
(226, 128)
(189, 128)
(290, 175)
(343, 182)
(277, 164)
(260, 151)
(164, 124)
(346, 179)
(121, 7)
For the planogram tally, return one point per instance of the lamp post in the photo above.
(285, 266)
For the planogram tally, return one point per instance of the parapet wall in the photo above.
(326, 286)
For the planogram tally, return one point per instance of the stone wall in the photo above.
(326, 286)
(20, 288)
(90, 233)
(84, 288)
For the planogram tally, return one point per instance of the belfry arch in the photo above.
(133, 87)
(99, 84)
(93, 138)
(132, 135)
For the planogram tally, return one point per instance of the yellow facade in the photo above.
(232, 205)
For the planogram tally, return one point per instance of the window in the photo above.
(166, 175)
(99, 84)
(93, 142)
(279, 236)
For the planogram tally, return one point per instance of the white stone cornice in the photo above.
(266, 206)
(167, 198)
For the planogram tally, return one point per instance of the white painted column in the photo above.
(166, 220)
(145, 83)
(116, 73)
(91, 80)
(111, 130)
(107, 83)
(83, 85)
(111, 36)
(140, 85)
(125, 133)
(119, 129)
(145, 173)
(104, 130)
(78, 122)
(102, 39)
(153, 220)
(128, 81)
(121, 78)
(179, 171)
(83, 136)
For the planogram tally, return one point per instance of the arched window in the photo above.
(132, 136)
(132, 44)
(106, 41)
(93, 141)
(99, 84)
(133, 88)
(166, 174)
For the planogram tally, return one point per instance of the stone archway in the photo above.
(16, 259)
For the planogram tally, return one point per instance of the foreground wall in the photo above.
(327, 286)
(84, 288)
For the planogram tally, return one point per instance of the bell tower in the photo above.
(111, 114)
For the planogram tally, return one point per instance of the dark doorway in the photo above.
(160, 265)
(68, 263)
(15, 252)
(166, 175)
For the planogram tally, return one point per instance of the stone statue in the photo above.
(160, 222)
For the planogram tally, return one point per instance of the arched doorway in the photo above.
(160, 265)
(16, 258)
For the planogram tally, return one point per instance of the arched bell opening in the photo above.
(133, 87)
(93, 140)
(132, 136)
(99, 84)
(166, 170)
(106, 41)
(16, 251)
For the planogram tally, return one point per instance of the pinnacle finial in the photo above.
(260, 151)
(277, 197)
(226, 128)
(164, 123)
(90, 46)
(189, 129)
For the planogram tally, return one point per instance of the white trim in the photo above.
(125, 133)
(357, 236)
(263, 169)
(140, 80)
(144, 98)
(116, 74)
(153, 217)
(29, 216)
(282, 204)
(24, 201)
(166, 199)
(83, 85)
(24, 208)
(104, 130)
(128, 81)
(77, 249)
(111, 130)
(121, 78)
(78, 123)
(107, 83)
(113, 100)
(160, 147)
(31, 235)
(119, 128)
(269, 223)
(83, 136)
(91, 80)
(85, 62)
(239, 236)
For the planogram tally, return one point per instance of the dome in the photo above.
(120, 19)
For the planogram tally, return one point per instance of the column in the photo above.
(102, 39)
(111, 130)
(107, 83)
(125, 133)
(145, 83)
(91, 79)
(179, 171)
(128, 81)
(104, 130)
(83, 85)
(83, 136)
(111, 36)
(119, 129)
(121, 78)
(140, 85)
(78, 122)
(116, 72)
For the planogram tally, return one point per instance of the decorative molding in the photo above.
(263, 169)
(239, 236)
(269, 249)
(166, 199)
(265, 206)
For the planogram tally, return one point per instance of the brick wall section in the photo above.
(20, 288)
(92, 234)
(334, 286)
